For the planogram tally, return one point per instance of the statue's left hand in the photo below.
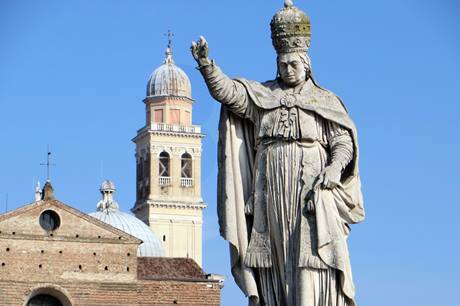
(329, 178)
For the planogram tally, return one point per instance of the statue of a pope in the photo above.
(288, 176)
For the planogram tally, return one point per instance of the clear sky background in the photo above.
(73, 75)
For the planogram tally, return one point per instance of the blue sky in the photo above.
(73, 75)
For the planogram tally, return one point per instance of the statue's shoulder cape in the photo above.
(268, 95)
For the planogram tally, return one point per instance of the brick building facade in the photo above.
(53, 254)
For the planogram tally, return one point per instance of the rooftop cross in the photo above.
(169, 53)
(48, 165)
(170, 37)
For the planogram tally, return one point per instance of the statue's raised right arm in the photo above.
(222, 88)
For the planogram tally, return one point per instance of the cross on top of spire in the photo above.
(169, 53)
(170, 37)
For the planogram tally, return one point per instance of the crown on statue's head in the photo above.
(290, 29)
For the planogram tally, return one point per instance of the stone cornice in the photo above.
(145, 131)
(179, 134)
(153, 99)
(19, 236)
(170, 204)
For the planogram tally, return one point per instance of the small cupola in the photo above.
(168, 79)
(108, 211)
(107, 202)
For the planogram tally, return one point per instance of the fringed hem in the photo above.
(258, 260)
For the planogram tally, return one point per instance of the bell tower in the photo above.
(168, 163)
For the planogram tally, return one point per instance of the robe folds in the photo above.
(243, 216)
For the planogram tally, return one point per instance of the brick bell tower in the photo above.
(168, 160)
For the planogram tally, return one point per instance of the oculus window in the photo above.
(49, 220)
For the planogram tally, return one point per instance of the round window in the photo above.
(49, 220)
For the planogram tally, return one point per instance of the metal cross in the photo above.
(170, 37)
(48, 165)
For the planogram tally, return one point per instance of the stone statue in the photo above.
(288, 176)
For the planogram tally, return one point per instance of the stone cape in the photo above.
(235, 188)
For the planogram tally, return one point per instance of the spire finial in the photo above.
(169, 53)
(288, 3)
(107, 202)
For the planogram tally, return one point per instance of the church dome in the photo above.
(169, 80)
(108, 212)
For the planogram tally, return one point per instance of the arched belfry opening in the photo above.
(164, 164)
(186, 166)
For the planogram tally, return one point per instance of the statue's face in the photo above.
(291, 69)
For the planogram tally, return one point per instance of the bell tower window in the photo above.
(186, 165)
(142, 173)
(186, 170)
(164, 169)
(164, 164)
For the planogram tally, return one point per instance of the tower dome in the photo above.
(108, 212)
(169, 80)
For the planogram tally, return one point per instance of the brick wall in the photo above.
(35, 260)
(144, 293)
